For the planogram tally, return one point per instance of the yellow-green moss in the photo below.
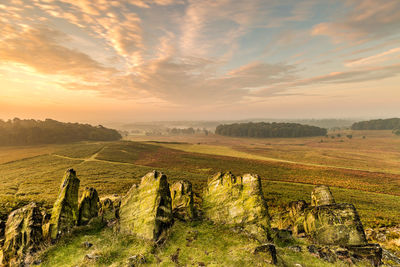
(146, 209)
(65, 210)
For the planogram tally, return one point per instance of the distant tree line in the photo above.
(381, 124)
(31, 132)
(178, 131)
(263, 129)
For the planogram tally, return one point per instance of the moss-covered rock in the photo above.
(109, 208)
(292, 218)
(335, 225)
(237, 201)
(23, 234)
(146, 209)
(182, 200)
(88, 206)
(322, 195)
(65, 210)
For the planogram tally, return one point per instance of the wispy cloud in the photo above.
(365, 20)
(381, 57)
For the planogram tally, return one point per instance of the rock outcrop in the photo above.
(146, 209)
(23, 234)
(337, 228)
(322, 195)
(328, 223)
(182, 200)
(88, 206)
(237, 201)
(65, 210)
(335, 225)
(292, 218)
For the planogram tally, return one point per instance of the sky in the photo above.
(154, 60)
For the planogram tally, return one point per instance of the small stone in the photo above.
(295, 248)
(136, 260)
(87, 244)
(92, 257)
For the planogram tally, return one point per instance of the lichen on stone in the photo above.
(146, 209)
(23, 234)
(88, 206)
(65, 210)
(237, 201)
(182, 200)
(335, 225)
(322, 195)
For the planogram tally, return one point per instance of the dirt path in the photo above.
(93, 158)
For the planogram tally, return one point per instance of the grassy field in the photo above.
(113, 167)
(379, 151)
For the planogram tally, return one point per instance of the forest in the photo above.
(32, 132)
(380, 124)
(266, 130)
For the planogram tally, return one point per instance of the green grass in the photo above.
(80, 150)
(197, 242)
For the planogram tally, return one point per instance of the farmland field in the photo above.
(112, 167)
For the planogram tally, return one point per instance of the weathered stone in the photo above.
(182, 200)
(370, 252)
(65, 210)
(292, 218)
(23, 234)
(390, 259)
(146, 210)
(322, 195)
(88, 206)
(91, 257)
(237, 201)
(268, 252)
(295, 248)
(335, 225)
(296, 208)
(109, 208)
(87, 244)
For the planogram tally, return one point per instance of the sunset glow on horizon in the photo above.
(143, 60)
